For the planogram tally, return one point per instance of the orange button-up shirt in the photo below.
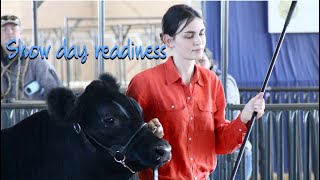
(192, 116)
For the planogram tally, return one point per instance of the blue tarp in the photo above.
(251, 47)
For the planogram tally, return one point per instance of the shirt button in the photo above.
(195, 178)
(240, 130)
(191, 159)
(191, 117)
(190, 139)
(172, 106)
(189, 98)
(210, 107)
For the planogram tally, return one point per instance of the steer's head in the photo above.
(113, 124)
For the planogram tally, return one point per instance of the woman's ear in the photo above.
(168, 40)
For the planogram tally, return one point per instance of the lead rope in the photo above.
(155, 173)
(24, 76)
(5, 70)
(18, 78)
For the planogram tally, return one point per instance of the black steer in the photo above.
(99, 135)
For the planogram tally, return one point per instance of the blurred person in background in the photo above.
(233, 97)
(22, 78)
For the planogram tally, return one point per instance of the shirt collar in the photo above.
(197, 78)
(172, 74)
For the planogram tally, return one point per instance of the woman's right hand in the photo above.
(156, 127)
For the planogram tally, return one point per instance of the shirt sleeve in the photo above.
(228, 135)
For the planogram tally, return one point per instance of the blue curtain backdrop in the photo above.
(251, 47)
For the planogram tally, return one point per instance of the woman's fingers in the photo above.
(259, 107)
(156, 127)
(256, 104)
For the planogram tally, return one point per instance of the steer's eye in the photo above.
(109, 121)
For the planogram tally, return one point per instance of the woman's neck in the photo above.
(185, 69)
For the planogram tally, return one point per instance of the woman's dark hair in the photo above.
(175, 16)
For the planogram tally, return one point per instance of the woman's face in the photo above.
(204, 61)
(190, 42)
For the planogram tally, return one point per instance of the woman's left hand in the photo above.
(256, 104)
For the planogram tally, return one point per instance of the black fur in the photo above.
(110, 81)
(45, 146)
(60, 102)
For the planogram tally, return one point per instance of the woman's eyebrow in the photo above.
(194, 31)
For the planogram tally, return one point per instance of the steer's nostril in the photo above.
(159, 150)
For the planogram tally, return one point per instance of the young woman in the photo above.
(188, 101)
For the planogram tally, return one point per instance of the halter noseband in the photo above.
(118, 152)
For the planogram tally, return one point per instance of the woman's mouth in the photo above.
(198, 50)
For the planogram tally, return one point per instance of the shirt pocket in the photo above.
(172, 116)
(205, 115)
(207, 106)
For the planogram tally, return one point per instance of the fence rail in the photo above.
(284, 143)
(285, 140)
(274, 95)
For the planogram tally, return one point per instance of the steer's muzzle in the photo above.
(162, 152)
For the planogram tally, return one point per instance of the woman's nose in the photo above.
(197, 41)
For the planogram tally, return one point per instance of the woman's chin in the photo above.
(198, 56)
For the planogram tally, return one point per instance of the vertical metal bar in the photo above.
(75, 63)
(307, 144)
(152, 40)
(67, 34)
(299, 147)
(123, 61)
(101, 28)
(315, 144)
(95, 64)
(224, 42)
(61, 64)
(281, 152)
(228, 165)
(279, 145)
(204, 9)
(119, 27)
(262, 147)
(269, 147)
(290, 134)
(255, 155)
(294, 144)
(34, 23)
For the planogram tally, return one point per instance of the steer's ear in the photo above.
(110, 81)
(60, 102)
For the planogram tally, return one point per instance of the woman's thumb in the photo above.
(259, 96)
